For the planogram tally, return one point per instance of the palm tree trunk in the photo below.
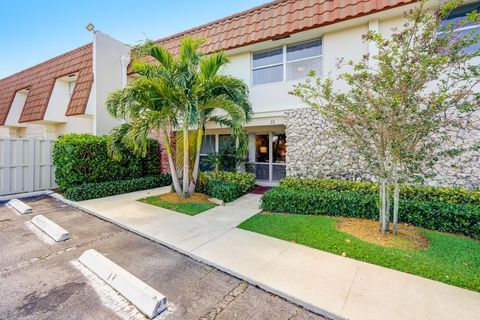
(196, 165)
(186, 164)
(171, 164)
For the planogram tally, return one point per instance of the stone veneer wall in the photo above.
(311, 152)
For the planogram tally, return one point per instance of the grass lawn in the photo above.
(448, 258)
(194, 205)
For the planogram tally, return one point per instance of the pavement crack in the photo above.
(205, 275)
(209, 240)
(350, 288)
(230, 297)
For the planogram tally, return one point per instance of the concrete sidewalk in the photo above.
(331, 285)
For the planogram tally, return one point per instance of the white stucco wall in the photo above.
(58, 103)
(75, 124)
(16, 109)
(8, 132)
(343, 40)
(38, 130)
(90, 109)
(339, 40)
(109, 74)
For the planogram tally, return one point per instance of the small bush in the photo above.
(435, 215)
(83, 158)
(104, 189)
(421, 193)
(223, 190)
(246, 181)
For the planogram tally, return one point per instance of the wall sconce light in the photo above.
(263, 149)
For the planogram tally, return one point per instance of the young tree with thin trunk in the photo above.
(401, 102)
(183, 92)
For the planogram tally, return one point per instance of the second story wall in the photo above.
(341, 40)
(111, 58)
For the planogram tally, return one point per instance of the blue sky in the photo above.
(34, 31)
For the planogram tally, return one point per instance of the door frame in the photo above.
(270, 154)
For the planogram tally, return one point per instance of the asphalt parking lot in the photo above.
(42, 280)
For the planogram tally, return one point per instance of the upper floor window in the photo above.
(71, 87)
(268, 66)
(289, 62)
(456, 17)
(303, 57)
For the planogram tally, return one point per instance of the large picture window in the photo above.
(287, 63)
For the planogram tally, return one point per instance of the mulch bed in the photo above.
(174, 198)
(408, 236)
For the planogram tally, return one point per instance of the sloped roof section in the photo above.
(40, 80)
(277, 19)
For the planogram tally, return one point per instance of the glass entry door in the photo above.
(262, 156)
(279, 155)
(267, 158)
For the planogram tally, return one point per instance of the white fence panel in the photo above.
(26, 165)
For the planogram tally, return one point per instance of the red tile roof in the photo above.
(277, 19)
(40, 79)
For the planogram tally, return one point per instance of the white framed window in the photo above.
(286, 63)
(303, 57)
(71, 86)
(457, 16)
(267, 66)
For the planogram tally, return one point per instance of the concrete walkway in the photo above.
(326, 283)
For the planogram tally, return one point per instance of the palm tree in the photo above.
(182, 92)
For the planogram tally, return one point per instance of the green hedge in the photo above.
(225, 185)
(441, 216)
(226, 191)
(104, 189)
(83, 158)
(422, 193)
(245, 180)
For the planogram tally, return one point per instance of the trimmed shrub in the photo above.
(104, 189)
(223, 190)
(421, 193)
(225, 185)
(245, 180)
(83, 158)
(312, 201)
(435, 215)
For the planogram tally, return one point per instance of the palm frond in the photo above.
(211, 65)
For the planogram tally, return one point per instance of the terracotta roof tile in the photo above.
(41, 78)
(277, 19)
